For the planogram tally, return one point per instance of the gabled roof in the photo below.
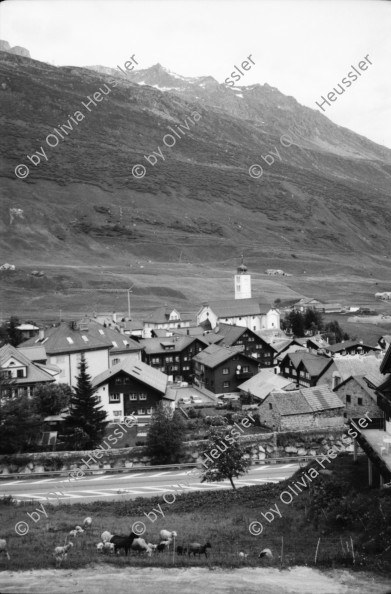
(231, 308)
(306, 401)
(341, 346)
(321, 398)
(214, 355)
(315, 364)
(264, 382)
(136, 369)
(294, 348)
(120, 342)
(374, 378)
(154, 346)
(162, 316)
(35, 373)
(316, 341)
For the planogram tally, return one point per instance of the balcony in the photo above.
(242, 376)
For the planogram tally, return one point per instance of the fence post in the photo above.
(316, 552)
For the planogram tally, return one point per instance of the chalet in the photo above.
(359, 397)
(248, 313)
(131, 388)
(341, 368)
(19, 375)
(305, 303)
(165, 318)
(348, 347)
(221, 369)
(249, 342)
(173, 355)
(304, 368)
(307, 408)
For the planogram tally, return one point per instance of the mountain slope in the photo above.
(329, 193)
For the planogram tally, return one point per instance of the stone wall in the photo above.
(265, 446)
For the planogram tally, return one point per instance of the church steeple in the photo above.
(242, 282)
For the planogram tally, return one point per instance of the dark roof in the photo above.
(314, 364)
(306, 400)
(321, 398)
(228, 308)
(35, 374)
(62, 339)
(136, 369)
(154, 346)
(385, 366)
(341, 346)
(87, 335)
(214, 355)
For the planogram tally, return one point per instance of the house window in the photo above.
(141, 411)
(142, 396)
(286, 369)
(258, 346)
(127, 380)
(149, 410)
(270, 405)
(177, 359)
(174, 367)
(115, 361)
(115, 398)
(117, 413)
(132, 396)
(155, 361)
(19, 373)
(225, 370)
(169, 359)
(245, 369)
(185, 358)
(337, 381)
(348, 398)
(250, 339)
(359, 401)
(226, 385)
(186, 368)
(118, 380)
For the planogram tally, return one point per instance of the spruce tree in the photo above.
(165, 437)
(85, 412)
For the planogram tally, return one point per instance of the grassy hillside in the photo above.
(339, 510)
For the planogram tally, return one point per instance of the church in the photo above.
(242, 311)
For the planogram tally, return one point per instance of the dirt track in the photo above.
(102, 579)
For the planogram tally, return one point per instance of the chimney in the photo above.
(41, 334)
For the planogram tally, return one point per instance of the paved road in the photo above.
(132, 484)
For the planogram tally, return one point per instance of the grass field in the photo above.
(221, 517)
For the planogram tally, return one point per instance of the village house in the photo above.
(221, 370)
(341, 368)
(165, 318)
(172, 355)
(307, 408)
(249, 342)
(304, 368)
(348, 347)
(131, 388)
(305, 304)
(27, 330)
(19, 376)
(122, 346)
(358, 397)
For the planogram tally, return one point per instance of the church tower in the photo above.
(242, 283)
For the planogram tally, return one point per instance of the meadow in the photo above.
(359, 538)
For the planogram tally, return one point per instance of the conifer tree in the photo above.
(85, 412)
(165, 436)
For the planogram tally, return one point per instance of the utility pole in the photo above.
(129, 291)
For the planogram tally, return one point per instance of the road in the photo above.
(132, 484)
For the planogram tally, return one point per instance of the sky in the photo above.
(304, 48)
